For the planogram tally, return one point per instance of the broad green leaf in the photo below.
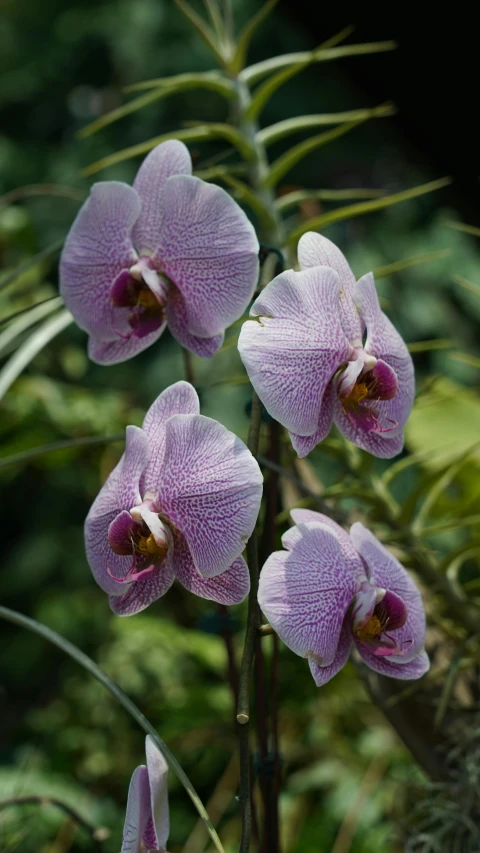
(430, 346)
(30, 263)
(467, 229)
(440, 486)
(26, 319)
(362, 208)
(246, 35)
(466, 358)
(272, 134)
(414, 261)
(444, 423)
(293, 199)
(202, 28)
(203, 133)
(256, 72)
(468, 285)
(288, 160)
(31, 347)
(215, 82)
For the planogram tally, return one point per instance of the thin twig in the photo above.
(96, 833)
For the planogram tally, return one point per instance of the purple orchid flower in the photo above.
(147, 822)
(181, 503)
(172, 250)
(305, 356)
(329, 590)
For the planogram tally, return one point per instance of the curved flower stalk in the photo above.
(306, 359)
(329, 590)
(147, 824)
(181, 503)
(172, 250)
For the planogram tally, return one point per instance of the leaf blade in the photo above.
(247, 33)
(278, 131)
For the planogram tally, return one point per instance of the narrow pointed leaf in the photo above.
(31, 347)
(203, 133)
(407, 462)
(245, 193)
(90, 666)
(290, 159)
(190, 81)
(218, 173)
(202, 28)
(467, 229)
(294, 199)
(467, 285)
(30, 263)
(37, 313)
(29, 190)
(431, 346)
(215, 18)
(398, 266)
(323, 54)
(365, 207)
(272, 134)
(10, 318)
(214, 80)
(25, 456)
(246, 35)
(466, 358)
(439, 486)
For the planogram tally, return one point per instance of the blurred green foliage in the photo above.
(64, 65)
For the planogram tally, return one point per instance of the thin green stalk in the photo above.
(96, 833)
(90, 666)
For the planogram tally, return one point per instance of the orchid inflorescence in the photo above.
(184, 498)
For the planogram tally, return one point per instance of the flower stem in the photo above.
(87, 663)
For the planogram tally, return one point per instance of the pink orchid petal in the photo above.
(209, 249)
(314, 250)
(121, 349)
(322, 674)
(152, 583)
(305, 592)
(304, 516)
(231, 587)
(387, 573)
(395, 668)
(385, 343)
(177, 318)
(304, 444)
(98, 247)
(210, 488)
(120, 492)
(158, 779)
(120, 533)
(178, 399)
(138, 810)
(294, 349)
(383, 445)
(167, 159)
(147, 818)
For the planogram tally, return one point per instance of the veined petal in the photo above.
(138, 811)
(178, 399)
(209, 249)
(167, 159)
(305, 593)
(384, 342)
(304, 516)
(141, 593)
(120, 492)
(322, 674)
(231, 587)
(315, 250)
(176, 313)
(210, 488)
(158, 779)
(304, 444)
(98, 247)
(410, 669)
(387, 573)
(121, 348)
(383, 445)
(294, 349)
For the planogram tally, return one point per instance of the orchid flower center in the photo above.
(375, 611)
(142, 534)
(362, 384)
(145, 292)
